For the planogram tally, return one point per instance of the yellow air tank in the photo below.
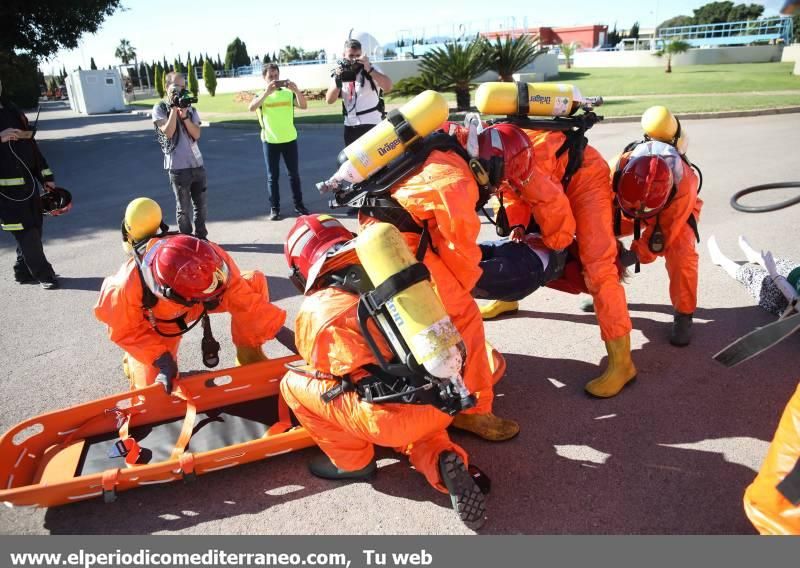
(416, 311)
(385, 141)
(142, 220)
(542, 99)
(660, 124)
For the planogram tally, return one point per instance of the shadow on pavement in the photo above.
(90, 283)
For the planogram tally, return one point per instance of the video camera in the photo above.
(182, 99)
(348, 69)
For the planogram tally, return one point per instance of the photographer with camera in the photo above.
(275, 110)
(360, 85)
(177, 127)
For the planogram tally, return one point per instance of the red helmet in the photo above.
(56, 201)
(184, 269)
(644, 186)
(309, 244)
(508, 152)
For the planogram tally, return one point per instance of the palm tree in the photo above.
(511, 55)
(125, 52)
(456, 66)
(568, 50)
(671, 48)
(411, 86)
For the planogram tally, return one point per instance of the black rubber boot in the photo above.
(323, 467)
(681, 334)
(467, 498)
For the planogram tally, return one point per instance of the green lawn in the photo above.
(743, 79)
(733, 78)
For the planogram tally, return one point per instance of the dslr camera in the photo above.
(183, 99)
(348, 69)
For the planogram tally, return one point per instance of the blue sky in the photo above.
(157, 28)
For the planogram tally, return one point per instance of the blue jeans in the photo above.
(512, 271)
(189, 186)
(272, 158)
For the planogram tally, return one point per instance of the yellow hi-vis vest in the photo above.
(276, 117)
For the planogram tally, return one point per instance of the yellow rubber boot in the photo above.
(497, 308)
(620, 369)
(249, 355)
(126, 369)
(487, 426)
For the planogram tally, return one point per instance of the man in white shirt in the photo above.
(360, 86)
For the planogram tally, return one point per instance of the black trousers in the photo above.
(353, 133)
(22, 218)
(272, 157)
(31, 261)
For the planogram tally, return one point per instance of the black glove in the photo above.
(627, 257)
(167, 371)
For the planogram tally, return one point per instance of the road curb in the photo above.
(702, 115)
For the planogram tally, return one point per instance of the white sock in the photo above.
(749, 251)
(720, 259)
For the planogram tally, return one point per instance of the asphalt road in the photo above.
(672, 454)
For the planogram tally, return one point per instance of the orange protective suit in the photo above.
(591, 203)
(768, 509)
(444, 194)
(328, 338)
(254, 319)
(679, 238)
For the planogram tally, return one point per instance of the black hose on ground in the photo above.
(764, 208)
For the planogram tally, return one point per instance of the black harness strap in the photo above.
(402, 127)
(790, 485)
(575, 143)
(393, 285)
(523, 105)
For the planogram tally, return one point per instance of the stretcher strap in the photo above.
(130, 445)
(109, 483)
(188, 423)
(186, 461)
(284, 422)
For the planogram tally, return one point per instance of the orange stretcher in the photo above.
(212, 421)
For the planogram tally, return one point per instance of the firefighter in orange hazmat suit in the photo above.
(435, 209)
(335, 397)
(588, 193)
(772, 501)
(656, 187)
(168, 285)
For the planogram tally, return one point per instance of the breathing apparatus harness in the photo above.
(372, 196)
(656, 241)
(574, 129)
(399, 379)
(209, 345)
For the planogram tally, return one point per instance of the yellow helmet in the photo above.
(142, 218)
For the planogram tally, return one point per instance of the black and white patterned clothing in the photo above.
(760, 286)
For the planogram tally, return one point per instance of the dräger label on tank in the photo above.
(540, 99)
(435, 341)
(388, 147)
